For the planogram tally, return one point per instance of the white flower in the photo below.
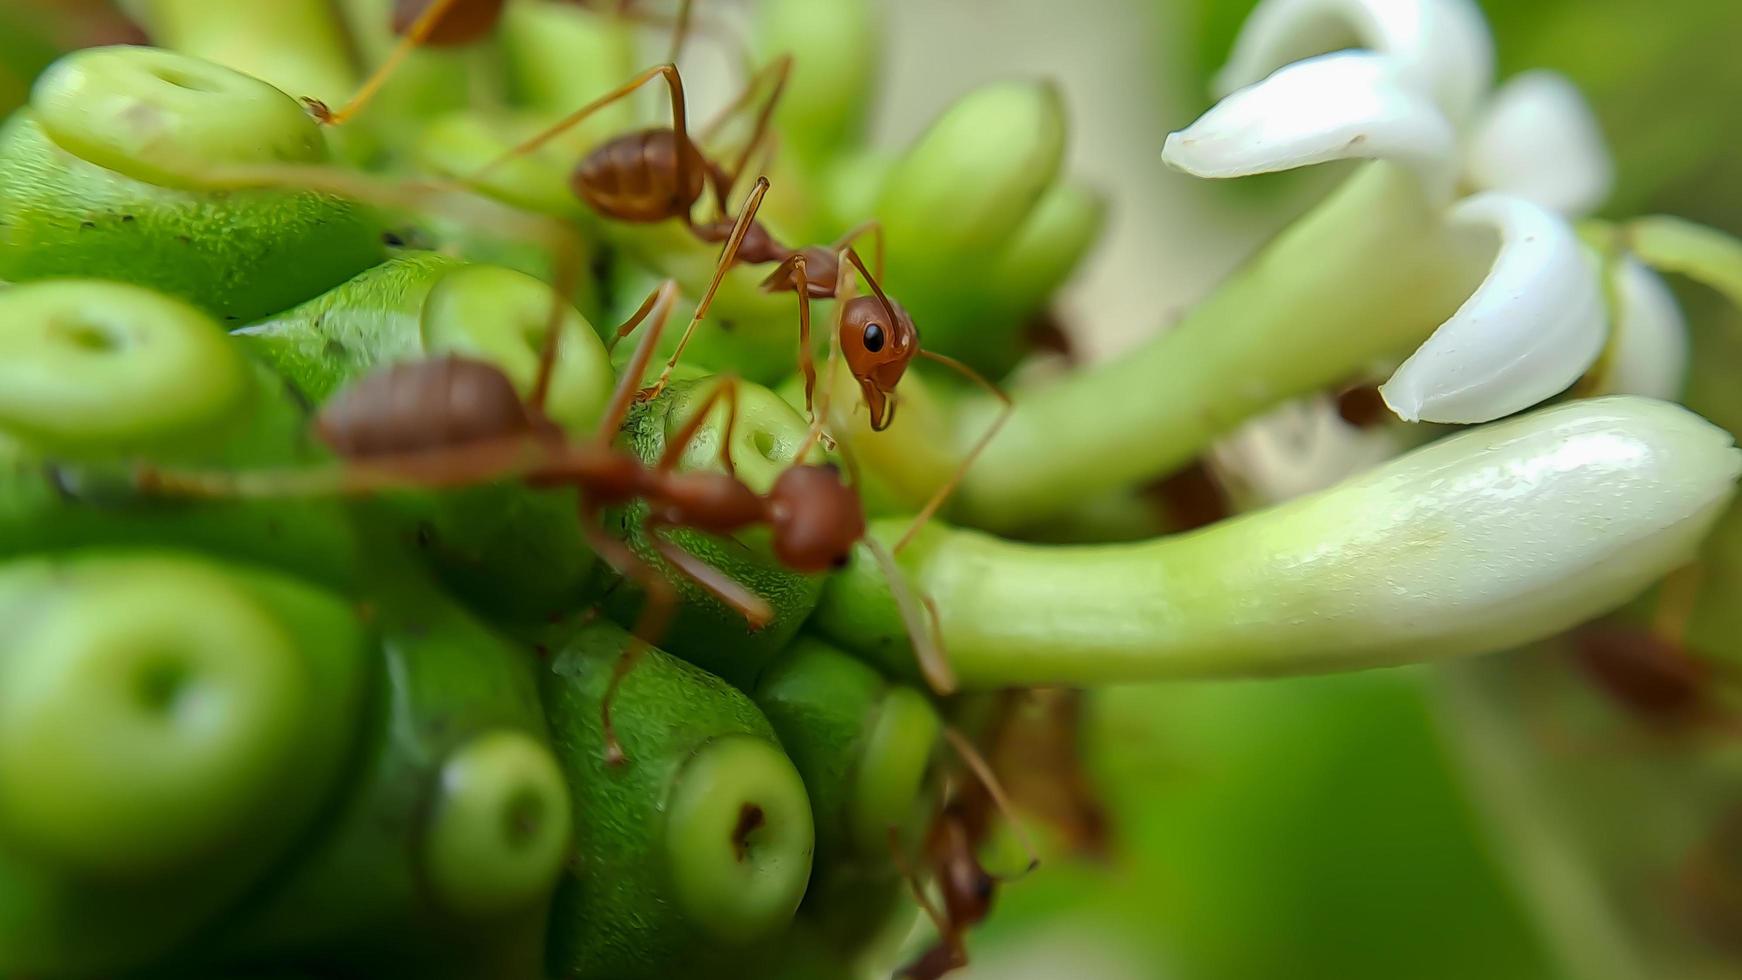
(1408, 82)
(1298, 448)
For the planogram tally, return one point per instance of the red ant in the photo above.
(659, 174)
(453, 421)
(1651, 671)
(952, 851)
(454, 23)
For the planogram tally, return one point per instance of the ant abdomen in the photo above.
(415, 406)
(464, 22)
(636, 178)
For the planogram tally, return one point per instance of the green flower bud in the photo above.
(453, 834)
(298, 46)
(863, 746)
(156, 712)
(1418, 559)
(99, 177)
(956, 198)
(836, 50)
(694, 849)
(460, 145)
(561, 56)
(1048, 247)
(704, 631)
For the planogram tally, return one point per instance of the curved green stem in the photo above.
(1481, 541)
(1369, 272)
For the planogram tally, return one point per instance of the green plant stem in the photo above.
(1371, 271)
(1495, 537)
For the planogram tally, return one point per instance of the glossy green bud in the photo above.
(766, 435)
(100, 176)
(1049, 246)
(168, 727)
(693, 850)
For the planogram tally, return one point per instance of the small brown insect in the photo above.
(453, 421)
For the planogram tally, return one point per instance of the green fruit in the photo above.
(102, 174)
(704, 630)
(864, 746)
(91, 366)
(454, 831)
(695, 849)
(168, 727)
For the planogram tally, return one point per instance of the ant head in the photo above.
(878, 339)
(816, 518)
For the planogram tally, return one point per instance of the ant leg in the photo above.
(680, 32)
(910, 874)
(673, 82)
(414, 37)
(727, 391)
(655, 615)
(755, 609)
(977, 764)
(874, 228)
(664, 299)
(943, 493)
(728, 255)
(628, 326)
(780, 70)
(926, 639)
(793, 266)
(459, 466)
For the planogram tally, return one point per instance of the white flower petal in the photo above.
(1539, 139)
(1533, 326)
(1441, 46)
(1648, 352)
(1337, 107)
(1298, 448)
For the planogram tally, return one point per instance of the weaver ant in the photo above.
(453, 23)
(659, 174)
(951, 850)
(454, 421)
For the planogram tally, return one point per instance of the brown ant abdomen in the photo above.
(416, 406)
(465, 22)
(636, 177)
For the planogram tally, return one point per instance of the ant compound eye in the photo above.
(873, 337)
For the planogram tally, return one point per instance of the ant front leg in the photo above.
(794, 266)
(660, 303)
(727, 391)
(942, 494)
(728, 257)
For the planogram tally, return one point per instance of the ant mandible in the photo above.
(660, 174)
(452, 23)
